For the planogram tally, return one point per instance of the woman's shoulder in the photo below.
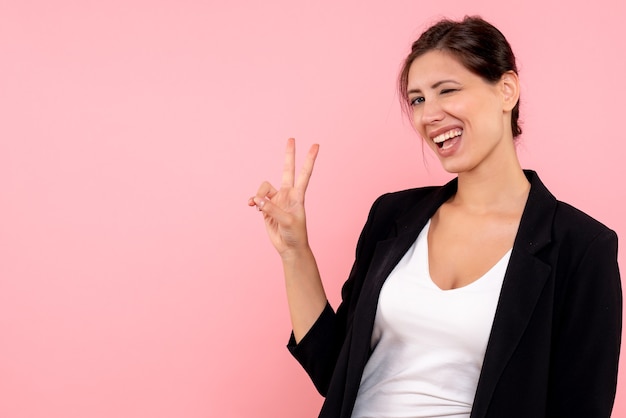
(566, 219)
(573, 221)
(556, 221)
(397, 203)
(409, 195)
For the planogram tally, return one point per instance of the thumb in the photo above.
(270, 209)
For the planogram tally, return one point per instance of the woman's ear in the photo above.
(509, 85)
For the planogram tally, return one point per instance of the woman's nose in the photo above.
(431, 112)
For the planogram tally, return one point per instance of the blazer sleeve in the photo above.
(586, 341)
(319, 349)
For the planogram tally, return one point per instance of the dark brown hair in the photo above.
(477, 44)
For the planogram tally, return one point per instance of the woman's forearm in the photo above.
(305, 292)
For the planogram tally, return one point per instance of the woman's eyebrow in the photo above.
(438, 83)
(434, 86)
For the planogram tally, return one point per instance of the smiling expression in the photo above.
(464, 119)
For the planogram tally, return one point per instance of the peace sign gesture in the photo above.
(283, 209)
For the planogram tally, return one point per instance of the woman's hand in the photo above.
(283, 209)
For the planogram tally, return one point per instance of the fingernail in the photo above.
(259, 202)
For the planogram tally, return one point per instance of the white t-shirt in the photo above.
(428, 344)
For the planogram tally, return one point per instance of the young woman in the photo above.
(485, 297)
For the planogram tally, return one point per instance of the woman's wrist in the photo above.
(297, 255)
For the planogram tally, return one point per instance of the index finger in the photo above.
(307, 169)
(290, 163)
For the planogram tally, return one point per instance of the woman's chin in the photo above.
(454, 167)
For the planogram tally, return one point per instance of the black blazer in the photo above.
(554, 345)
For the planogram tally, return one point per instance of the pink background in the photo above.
(134, 279)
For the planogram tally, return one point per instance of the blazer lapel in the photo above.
(523, 283)
(390, 251)
(386, 256)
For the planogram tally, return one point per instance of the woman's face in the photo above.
(462, 117)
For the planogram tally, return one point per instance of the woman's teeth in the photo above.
(440, 139)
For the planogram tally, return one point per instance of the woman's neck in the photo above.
(499, 189)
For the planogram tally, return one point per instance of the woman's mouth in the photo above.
(443, 141)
